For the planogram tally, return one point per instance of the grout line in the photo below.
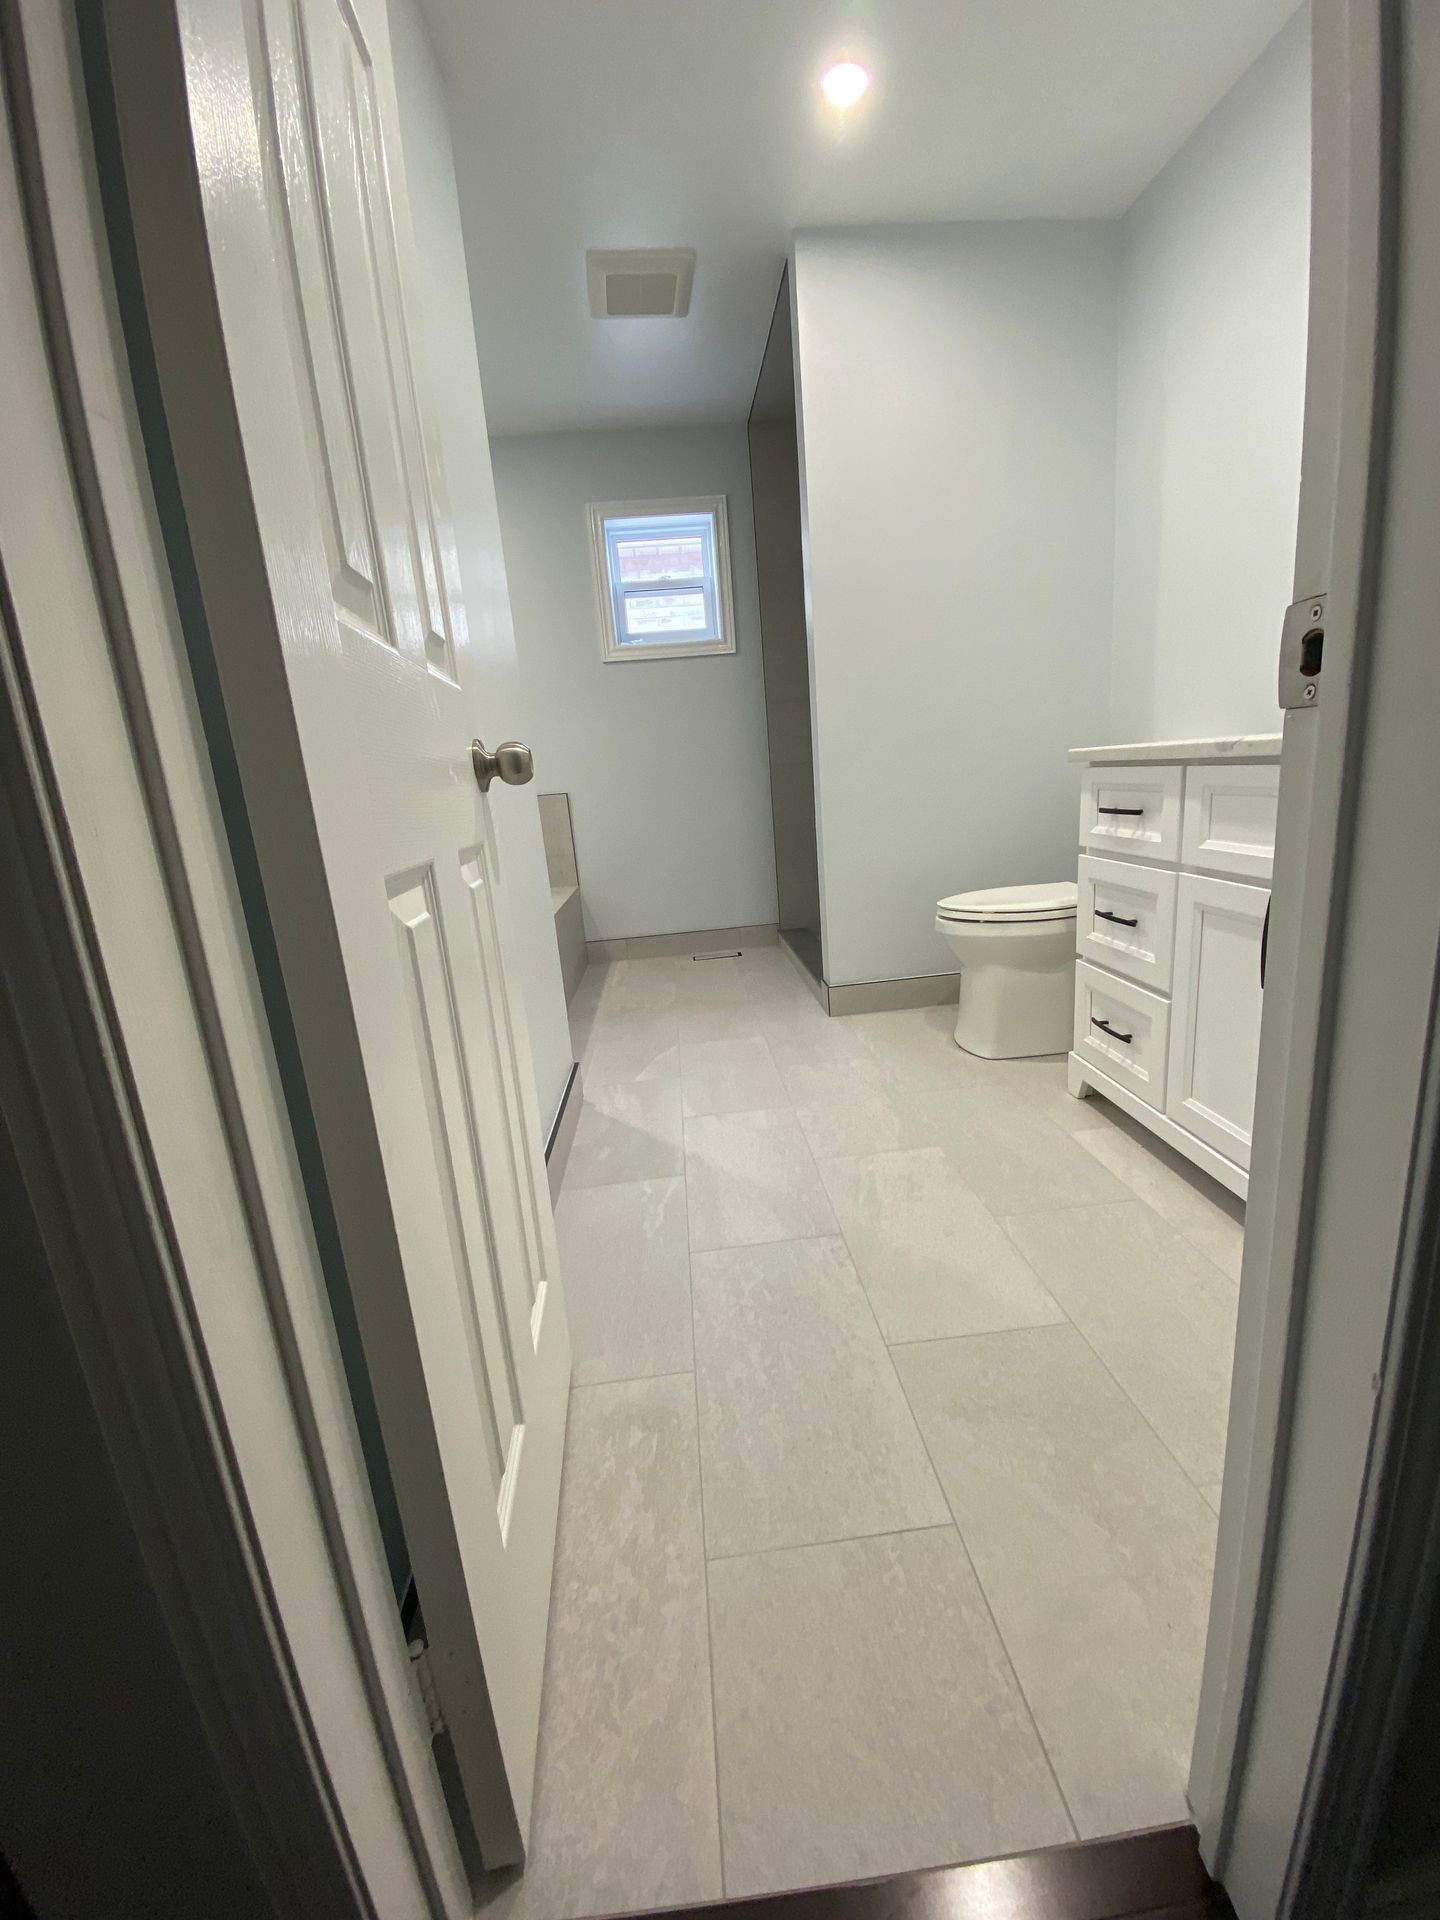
(990, 1612)
(960, 1535)
(704, 1551)
(787, 1240)
(835, 1540)
(1121, 1388)
(1109, 1371)
(984, 1333)
(629, 1380)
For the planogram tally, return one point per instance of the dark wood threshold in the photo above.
(1155, 1875)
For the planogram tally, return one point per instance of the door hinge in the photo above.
(1302, 643)
(425, 1680)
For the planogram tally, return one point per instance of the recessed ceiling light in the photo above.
(844, 83)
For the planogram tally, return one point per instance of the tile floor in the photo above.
(897, 1428)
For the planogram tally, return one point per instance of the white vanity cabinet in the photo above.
(1177, 842)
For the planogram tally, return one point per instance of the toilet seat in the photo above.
(1010, 906)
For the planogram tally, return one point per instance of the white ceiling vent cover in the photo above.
(647, 283)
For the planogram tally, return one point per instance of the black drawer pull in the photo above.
(1105, 1027)
(1134, 812)
(1102, 914)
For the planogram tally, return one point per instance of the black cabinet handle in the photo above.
(1105, 1027)
(1134, 812)
(1264, 944)
(1119, 918)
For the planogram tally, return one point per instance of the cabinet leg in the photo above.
(1075, 1079)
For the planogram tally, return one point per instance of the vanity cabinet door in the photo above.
(1215, 1019)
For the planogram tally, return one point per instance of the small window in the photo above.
(662, 576)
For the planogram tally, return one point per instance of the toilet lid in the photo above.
(1055, 901)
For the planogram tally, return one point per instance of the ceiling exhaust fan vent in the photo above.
(646, 283)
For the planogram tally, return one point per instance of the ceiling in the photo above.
(699, 123)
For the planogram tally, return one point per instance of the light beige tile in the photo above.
(854, 1106)
(1210, 1218)
(729, 1076)
(627, 1132)
(751, 1178)
(1160, 1315)
(803, 1034)
(1095, 1553)
(625, 1258)
(933, 1260)
(866, 1717)
(805, 1434)
(717, 1015)
(642, 1046)
(625, 1808)
(628, 987)
(1042, 1085)
(1010, 1154)
(1211, 1491)
(918, 1046)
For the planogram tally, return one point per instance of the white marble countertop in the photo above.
(1234, 746)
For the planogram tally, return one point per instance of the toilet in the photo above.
(1016, 949)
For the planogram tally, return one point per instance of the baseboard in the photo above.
(890, 996)
(651, 946)
(812, 980)
(562, 1130)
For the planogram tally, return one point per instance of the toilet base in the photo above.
(1012, 1013)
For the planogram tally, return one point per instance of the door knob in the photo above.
(511, 762)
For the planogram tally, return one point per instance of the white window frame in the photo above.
(611, 648)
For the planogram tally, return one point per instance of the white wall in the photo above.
(444, 337)
(664, 760)
(957, 403)
(1213, 284)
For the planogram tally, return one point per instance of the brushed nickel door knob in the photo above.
(511, 762)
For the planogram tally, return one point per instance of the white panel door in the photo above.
(350, 696)
(1215, 1023)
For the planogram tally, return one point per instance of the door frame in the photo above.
(287, 1627)
(140, 1083)
(1324, 1526)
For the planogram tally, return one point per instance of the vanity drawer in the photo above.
(1124, 1030)
(1131, 810)
(1230, 818)
(1126, 919)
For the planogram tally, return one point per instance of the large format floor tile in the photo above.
(801, 1033)
(1043, 1085)
(751, 1178)
(1199, 1207)
(918, 1045)
(866, 1717)
(625, 1808)
(627, 1132)
(729, 1076)
(805, 1433)
(854, 1106)
(1160, 1315)
(625, 1257)
(1010, 1154)
(1095, 1553)
(933, 1260)
(642, 1046)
